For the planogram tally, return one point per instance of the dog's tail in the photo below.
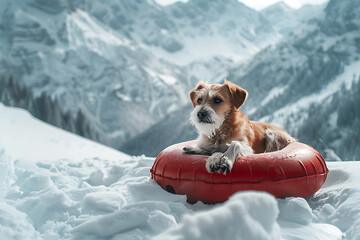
(276, 140)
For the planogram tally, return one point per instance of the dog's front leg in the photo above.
(224, 162)
(195, 150)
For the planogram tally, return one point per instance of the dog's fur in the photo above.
(224, 132)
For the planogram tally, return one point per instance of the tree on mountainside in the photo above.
(45, 108)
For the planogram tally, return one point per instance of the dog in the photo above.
(224, 132)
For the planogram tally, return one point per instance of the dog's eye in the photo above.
(217, 100)
(199, 100)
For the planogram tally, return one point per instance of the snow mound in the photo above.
(248, 215)
(151, 215)
(14, 224)
(253, 215)
(295, 210)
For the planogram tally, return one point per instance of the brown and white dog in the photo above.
(224, 132)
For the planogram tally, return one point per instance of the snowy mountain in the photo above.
(206, 29)
(67, 53)
(187, 32)
(307, 84)
(285, 19)
(121, 66)
(56, 185)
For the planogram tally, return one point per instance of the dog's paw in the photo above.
(190, 150)
(218, 162)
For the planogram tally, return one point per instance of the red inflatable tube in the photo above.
(295, 171)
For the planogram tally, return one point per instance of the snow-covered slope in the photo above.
(191, 31)
(285, 19)
(56, 185)
(205, 29)
(24, 137)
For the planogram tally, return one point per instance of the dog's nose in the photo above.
(202, 114)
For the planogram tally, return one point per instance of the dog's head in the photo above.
(212, 103)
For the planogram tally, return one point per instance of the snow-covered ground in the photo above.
(56, 185)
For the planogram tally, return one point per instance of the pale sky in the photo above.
(259, 4)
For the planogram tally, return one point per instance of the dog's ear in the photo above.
(193, 92)
(238, 94)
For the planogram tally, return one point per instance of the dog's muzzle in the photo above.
(204, 116)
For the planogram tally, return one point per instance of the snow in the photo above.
(273, 93)
(47, 143)
(168, 2)
(254, 215)
(123, 97)
(84, 30)
(248, 215)
(351, 72)
(166, 78)
(56, 185)
(204, 47)
(14, 224)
